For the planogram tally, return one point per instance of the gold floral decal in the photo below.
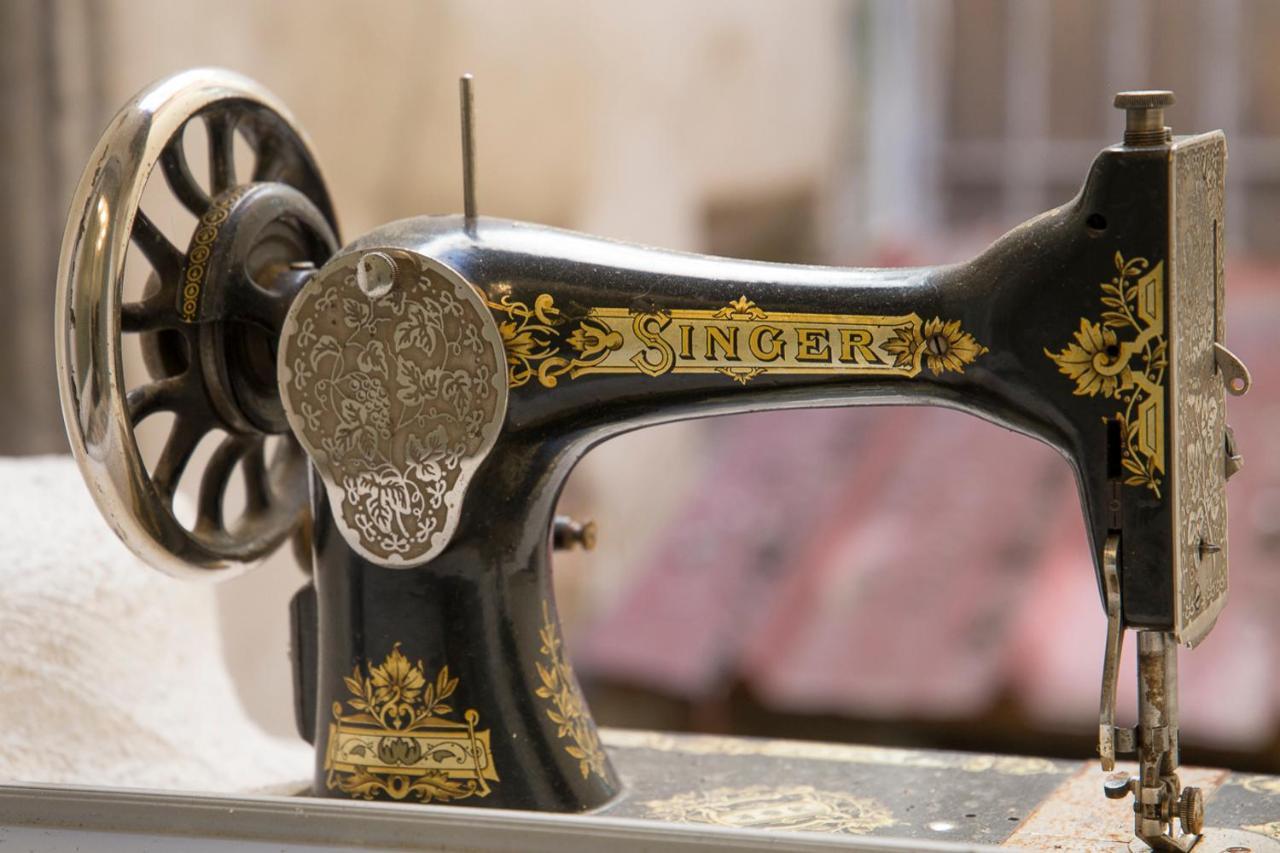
(529, 337)
(940, 345)
(399, 742)
(1129, 371)
(798, 808)
(566, 708)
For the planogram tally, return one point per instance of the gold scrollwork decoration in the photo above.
(1124, 357)
(1267, 785)
(1271, 829)
(397, 739)
(564, 703)
(530, 334)
(800, 808)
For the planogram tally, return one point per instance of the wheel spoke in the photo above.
(270, 162)
(183, 184)
(270, 165)
(178, 447)
(257, 489)
(159, 396)
(222, 171)
(155, 312)
(163, 256)
(213, 485)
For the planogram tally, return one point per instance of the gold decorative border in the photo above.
(564, 704)
(398, 741)
(1129, 371)
(740, 341)
(198, 254)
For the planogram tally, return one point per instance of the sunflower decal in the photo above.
(939, 345)
(397, 684)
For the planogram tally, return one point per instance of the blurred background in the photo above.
(891, 576)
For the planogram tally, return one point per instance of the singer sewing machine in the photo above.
(436, 380)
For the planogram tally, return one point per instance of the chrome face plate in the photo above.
(393, 377)
(1199, 524)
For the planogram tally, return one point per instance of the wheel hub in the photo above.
(252, 250)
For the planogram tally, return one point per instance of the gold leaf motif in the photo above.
(741, 308)
(741, 375)
(567, 709)
(399, 743)
(1130, 370)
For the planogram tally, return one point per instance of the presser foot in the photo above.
(1157, 806)
(1160, 801)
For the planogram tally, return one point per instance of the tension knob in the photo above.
(1144, 116)
(1191, 810)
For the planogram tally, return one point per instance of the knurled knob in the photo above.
(1144, 116)
(1191, 810)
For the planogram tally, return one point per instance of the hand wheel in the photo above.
(208, 320)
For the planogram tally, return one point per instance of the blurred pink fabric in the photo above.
(921, 563)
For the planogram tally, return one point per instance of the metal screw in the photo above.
(1207, 548)
(1144, 116)
(566, 534)
(937, 345)
(375, 274)
(1234, 461)
(302, 265)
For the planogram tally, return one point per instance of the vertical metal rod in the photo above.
(468, 148)
(1157, 792)
(1158, 694)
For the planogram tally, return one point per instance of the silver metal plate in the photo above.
(1198, 425)
(394, 380)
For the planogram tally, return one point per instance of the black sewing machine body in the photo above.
(698, 336)
(444, 375)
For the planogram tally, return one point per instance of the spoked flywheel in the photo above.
(208, 321)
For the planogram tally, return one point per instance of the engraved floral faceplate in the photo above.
(396, 396)
(1198, 408)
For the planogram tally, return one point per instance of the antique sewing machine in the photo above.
(436, 380)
